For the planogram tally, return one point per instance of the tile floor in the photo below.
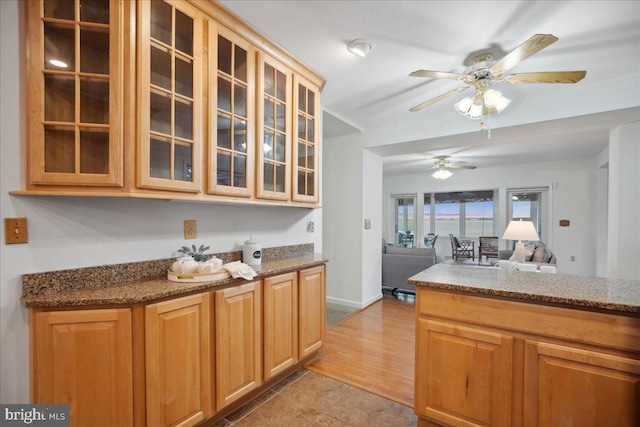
(336, 312)
(306, 398)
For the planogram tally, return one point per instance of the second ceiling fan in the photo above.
(485, 71)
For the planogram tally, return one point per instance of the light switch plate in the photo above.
(15, 231)
(190, 229)
(367, 224)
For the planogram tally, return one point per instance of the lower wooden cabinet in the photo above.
(489, 362)
(465, 375)
(238, 347)
(178, 366)
(84, 358)
(280, 329)
(311, 310)
(604, 390)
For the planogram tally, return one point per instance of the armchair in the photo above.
(462, 248)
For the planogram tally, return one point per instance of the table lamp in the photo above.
(520, 230)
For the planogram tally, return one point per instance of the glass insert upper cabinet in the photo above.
(232, 113)
(306, 140)
(170, 95)
(273, 145)
(75, 56)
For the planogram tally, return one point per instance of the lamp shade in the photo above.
(441, 174)
(521, 230)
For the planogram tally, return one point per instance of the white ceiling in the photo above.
(601, 37)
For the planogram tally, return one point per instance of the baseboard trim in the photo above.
(355, 304)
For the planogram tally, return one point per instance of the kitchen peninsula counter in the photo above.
(141, 282)
(566, 290)
(496, 348)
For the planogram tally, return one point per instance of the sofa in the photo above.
(534, 252)
(399, 263)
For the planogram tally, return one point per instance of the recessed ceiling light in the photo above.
(58, 63)
(360, 47)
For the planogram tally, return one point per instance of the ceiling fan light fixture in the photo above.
(475, 112)
(495, 99)
(360, 47)
(463, 105)
(442, 174)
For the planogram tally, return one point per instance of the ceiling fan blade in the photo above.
(437, 99)
(546, 77)
(459, 166)
(442, 75)
(534, 45)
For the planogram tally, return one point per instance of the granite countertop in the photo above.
(147, 290)
(567, 290)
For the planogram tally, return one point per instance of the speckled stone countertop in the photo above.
(571, 291)
(145, 282)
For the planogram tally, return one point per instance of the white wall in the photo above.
(571, 196)
(371, 238)
(67, 232)
(624, 202)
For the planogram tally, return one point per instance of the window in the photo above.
(527, 204)
(405, 219)
(462, 213)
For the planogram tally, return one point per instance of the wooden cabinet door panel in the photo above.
(463, 375)
(306, 141)
(84, 358)
(280, 323)
(178, 375)
(311, 310)
(238, 342)
(572, 387)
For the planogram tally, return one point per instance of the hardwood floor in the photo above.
(373, 349)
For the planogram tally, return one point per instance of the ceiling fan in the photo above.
(443, 165)
(485, 71)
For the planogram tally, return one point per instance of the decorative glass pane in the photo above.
(268, 177)
(302, 158)
(59, 47)
(280, 148)
(59, 150)
(281, 117)
(310, 130)
(184, 33)
(94, 101)
(160, 68)
(184, 120)
(224, 94)
(94, 51)
(311, 109)
(268, 112)
(269, 80)
(310, 182)
(240, 100)
(183, 163)
(60, 9)
(59, 99)
(184, 78)
(224, 169)
(310, 157)
(94, 152)
(94, 11)
(267, 147)
(160, 159)
(302, 134)
(302, 98)
(240, 135)
(240, 171)
(240, 64)
(161, 21)
(280, 178)
(301, 182)
(281, 86)
(224, 132)
(224, 55)
(160, 114)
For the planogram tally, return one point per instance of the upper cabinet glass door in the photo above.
(274, 129)
(306, 141)
(75, 92)
(170, 96)
(232, 117)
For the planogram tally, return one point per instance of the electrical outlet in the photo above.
(15, 231)
(573, 258)
(190, 229)
(310, 226)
